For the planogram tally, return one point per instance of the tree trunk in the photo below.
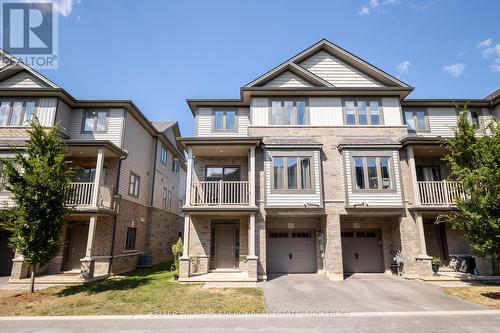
(32, 279)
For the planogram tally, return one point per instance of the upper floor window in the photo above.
(229, 173)
(134, 185)
(225, 120)
(289, 112)
(473, 116)
(95, 121)
(87, 175)
(175, 164)
(163, 154)
(416, 120)
(292, 173)
(16, 113)
(372, 173)
(428, 173)
(362, 112)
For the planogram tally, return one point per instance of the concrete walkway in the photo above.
(357, 293)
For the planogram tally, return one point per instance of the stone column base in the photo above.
(184, 265)
(20, 269)
(252, 267)
(484, 267)
(334, 276)
(424, 265)
(87, 268)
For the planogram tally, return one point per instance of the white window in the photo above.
(362, 112)
(164, 199)
(17, 113)
(292, 173)
(169, 200)
(134, 185)
(175, 164)
(288, 112)
(474, 118)
(225, 120)
(372, 173)
(95, 121)
(163, 155)
(416, 120)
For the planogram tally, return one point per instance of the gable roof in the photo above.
(359, 66)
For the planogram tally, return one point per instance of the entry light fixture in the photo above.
(360, 204)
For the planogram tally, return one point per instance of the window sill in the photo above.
(129, 251)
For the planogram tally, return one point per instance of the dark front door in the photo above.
(225, 244)
(362, 251)
(75, 246)
(6, 254)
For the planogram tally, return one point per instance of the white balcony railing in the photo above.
(440, 193)
(220, 193)
(83, 195)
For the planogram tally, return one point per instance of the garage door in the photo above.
(291, 251)
(362, 251)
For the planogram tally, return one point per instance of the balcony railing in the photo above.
(220, 193)
(83, 195)
(440, 193)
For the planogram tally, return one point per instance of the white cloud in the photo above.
(492, 51)
(484, 43)
(367, 8)
(454, 69)
(495, 68)
(364, 11)
(425, 7)
(62, 7)
(404, 67)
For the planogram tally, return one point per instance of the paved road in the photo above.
(469, 321)
(359, 292)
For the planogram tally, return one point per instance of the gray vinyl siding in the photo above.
(23, 80)
(46, 111)
(293, 199)
(113, 134)
(138, 142)
(337, 72)
(326, 111)
(204, 123)
(63, 116)
(288, 80)
(378, 198)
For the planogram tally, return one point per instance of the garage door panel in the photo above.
(291, 251)
(362, 251)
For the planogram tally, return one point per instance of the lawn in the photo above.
(144, 291)
(488, 295)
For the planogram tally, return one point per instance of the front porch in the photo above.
(219, 248)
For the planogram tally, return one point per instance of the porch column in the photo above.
(421, 234)
(189, 175)
(413, 174)
(184, 261)
(87, 267)
(98, 176)
(251, 237)
(251, 179)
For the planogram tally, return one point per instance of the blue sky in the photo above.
(158, 53)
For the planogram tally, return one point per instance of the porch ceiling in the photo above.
(90, 149)
(220, 150)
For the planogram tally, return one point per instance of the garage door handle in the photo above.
(290, 256)
(356, 255)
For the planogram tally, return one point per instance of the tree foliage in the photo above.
(475, 161)
(38, 178)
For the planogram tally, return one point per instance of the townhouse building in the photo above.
(129, 186)
(321, 166)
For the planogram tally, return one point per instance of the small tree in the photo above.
(177, 252)
(39, 180)
(475, 162)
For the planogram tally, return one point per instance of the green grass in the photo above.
(144, 291)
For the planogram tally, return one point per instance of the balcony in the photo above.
(220, 193)
(440, 193)
(83, 196)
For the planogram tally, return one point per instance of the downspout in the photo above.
(117, 197)
(149, 226)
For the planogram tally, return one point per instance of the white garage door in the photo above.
(362, 251)
(291, 251)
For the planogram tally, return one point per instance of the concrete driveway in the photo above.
(357, 293)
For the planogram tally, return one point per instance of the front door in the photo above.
(75, 247)
(225, 246)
